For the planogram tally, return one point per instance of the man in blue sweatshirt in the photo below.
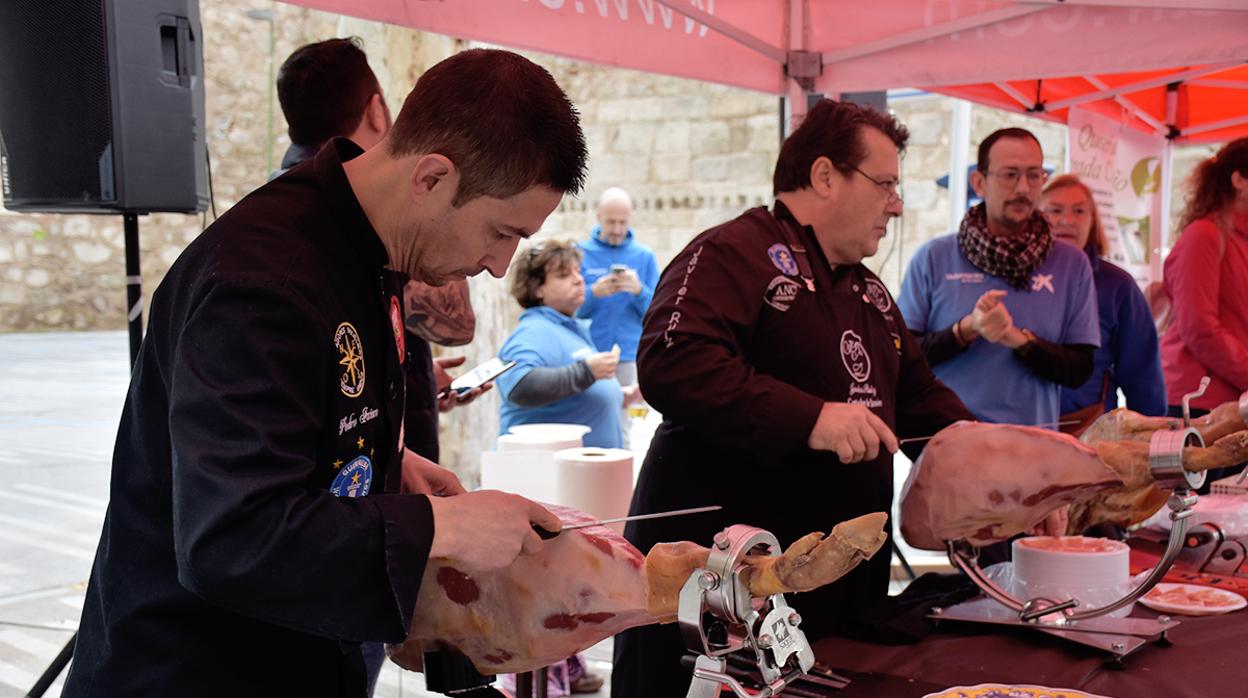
(621, 274)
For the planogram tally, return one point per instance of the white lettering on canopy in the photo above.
(650, 10)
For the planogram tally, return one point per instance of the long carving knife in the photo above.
(547, 535)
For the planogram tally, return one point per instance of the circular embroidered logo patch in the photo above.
(854, 356)
(351, 359)
(878, 295)
(782, 258)
(355, 478)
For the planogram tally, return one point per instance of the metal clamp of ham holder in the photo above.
(1120, 636)
(717, 617)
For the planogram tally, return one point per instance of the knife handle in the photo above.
(543, 533)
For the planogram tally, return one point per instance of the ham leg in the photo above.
(588, 584)
(987, 482)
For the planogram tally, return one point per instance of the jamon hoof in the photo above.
(1122, 424)
(809, 563)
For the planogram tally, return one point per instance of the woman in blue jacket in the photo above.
(560, 376)
(1128, 357)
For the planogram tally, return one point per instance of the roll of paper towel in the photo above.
(537, 442)
(529, 473)
(598, 481)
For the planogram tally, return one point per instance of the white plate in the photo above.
(1002, 690)
(1193, 609)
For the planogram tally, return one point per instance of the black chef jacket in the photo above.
(240, 555)
(739, 355)
(420, 414)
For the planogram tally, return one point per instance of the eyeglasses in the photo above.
(889, 187)
(1010, 177)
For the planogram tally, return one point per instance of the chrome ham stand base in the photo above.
(1119, 636)
(718, 617)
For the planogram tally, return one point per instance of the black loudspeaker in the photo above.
(102, 106)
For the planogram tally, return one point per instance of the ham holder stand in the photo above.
(737, 639)
(1119, 636)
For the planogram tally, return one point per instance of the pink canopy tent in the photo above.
(1039, 56)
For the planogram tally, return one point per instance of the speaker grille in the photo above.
(55, 116)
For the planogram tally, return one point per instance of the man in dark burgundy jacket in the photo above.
(782, 368)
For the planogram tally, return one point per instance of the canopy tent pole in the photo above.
(801, 66)
(1161, 208)
(1213, 126)
(1138, 86)
(933, 32)
(959, 153)
(1014, 94)
(1131, 107)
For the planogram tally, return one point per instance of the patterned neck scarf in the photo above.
(1012, 258)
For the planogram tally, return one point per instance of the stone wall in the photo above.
(692, 155)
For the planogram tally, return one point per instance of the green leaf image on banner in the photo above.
(1146, 176)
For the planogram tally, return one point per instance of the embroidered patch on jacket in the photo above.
(878, 295)
(351, 352)
(781, 292)
(1042, 282)
(355, 478)
(396, 324)
(854, 356)
(782, 257)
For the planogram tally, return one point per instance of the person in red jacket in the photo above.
(1205, 279)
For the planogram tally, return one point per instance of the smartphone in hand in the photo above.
(478, 376)
(619, 268)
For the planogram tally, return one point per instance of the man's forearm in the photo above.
(1069, 365)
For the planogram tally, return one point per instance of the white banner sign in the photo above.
(1122, 166)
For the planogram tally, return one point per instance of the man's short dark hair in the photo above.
(981, 161)
(324, 89)
(500, 118)
(833, 130)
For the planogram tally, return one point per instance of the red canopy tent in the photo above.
(1177, 67)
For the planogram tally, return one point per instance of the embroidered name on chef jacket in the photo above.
(351, 421)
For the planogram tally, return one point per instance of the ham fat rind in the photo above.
(588, 584)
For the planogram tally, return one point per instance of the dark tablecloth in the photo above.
(1208, 658)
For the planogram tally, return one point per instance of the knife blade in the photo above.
(1067, 423)
(547, 535)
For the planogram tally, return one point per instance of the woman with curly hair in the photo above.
(560, 376)
(1206, 277)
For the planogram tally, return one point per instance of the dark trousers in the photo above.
(647, 663)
